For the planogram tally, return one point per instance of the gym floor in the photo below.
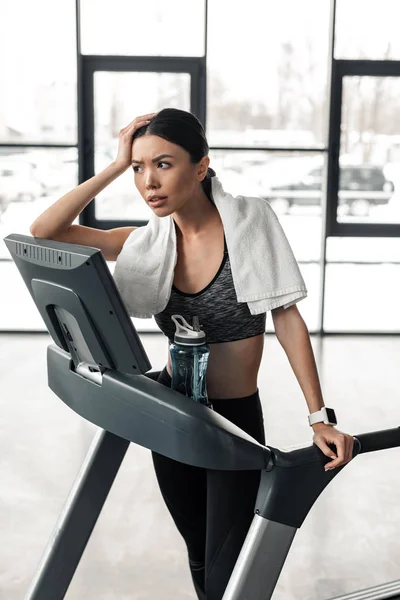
(350, 539)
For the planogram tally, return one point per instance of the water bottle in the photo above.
(189, 356)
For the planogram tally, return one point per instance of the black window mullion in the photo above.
(333, 149)
(86, 137)
(369, 68)
(287, 150)
(198, 91)
(164, 64)
(35, 145)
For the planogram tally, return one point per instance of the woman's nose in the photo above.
(151, 180)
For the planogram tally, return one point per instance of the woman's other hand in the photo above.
(327, 434)
(124, 155)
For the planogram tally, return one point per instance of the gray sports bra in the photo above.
(221, 316)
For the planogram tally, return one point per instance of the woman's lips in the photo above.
(158, 201)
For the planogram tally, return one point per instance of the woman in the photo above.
(212, 509)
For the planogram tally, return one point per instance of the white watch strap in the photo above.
(318, 417)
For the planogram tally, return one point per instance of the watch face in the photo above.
(330, 413)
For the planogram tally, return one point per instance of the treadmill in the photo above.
(98, 366)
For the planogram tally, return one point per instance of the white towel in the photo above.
(264, 270)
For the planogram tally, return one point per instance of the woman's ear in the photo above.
(203, 166)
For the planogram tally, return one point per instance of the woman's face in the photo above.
(164, 170)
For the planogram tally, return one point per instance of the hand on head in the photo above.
(125, 139)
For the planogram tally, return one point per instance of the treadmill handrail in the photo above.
(383, 439)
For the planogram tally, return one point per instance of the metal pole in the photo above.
(260, 560)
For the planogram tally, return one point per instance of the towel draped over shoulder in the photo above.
(264, 270)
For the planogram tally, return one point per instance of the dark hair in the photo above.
(184, 129)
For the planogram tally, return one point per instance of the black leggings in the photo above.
(212, 509)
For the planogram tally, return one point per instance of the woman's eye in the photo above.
(138, 168)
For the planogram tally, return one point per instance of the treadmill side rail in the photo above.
(260, 560)
(140, 410)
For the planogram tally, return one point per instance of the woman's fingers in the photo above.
(342, 441)
(133, 126)
(340, 444)
(323, 446)
(137, 121)
(349, 447)
(344, 446)
(146, 117)
(125, 139)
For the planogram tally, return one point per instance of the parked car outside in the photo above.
(360, 187)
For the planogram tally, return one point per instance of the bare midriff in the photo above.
(232, 366)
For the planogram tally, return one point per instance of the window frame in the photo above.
(341, 69)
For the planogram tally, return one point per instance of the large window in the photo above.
(267, 89)
(261, 85)
(267, 74)
(151, 28)
(369, 150)
(38, 72)
(38, 131)
(31, 180)
(367, 30)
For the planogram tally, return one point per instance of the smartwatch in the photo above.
(325, 415)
